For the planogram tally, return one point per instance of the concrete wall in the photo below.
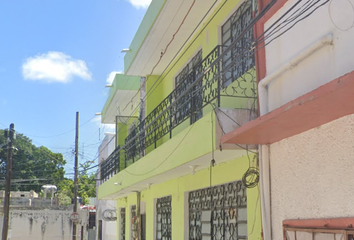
(107, 146)
(44, 224)
(311, 174)
(178, 189)
(321, 67)
(109, 228)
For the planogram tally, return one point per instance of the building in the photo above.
(106, 217)
(306, 89)
(190, 78)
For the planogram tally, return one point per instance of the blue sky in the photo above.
(55, 59)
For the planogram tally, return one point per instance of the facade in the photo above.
(306, 85)
(190, 78)
(106, 223)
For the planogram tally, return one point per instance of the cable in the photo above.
(60, 134)
(165, 158)
(163, 53)
(245, 30)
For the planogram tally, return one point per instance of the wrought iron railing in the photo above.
(208, 83)
(111, 165)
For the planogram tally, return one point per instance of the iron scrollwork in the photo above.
(163, 218)
(122, 224)
(218, 213)
(227, 71)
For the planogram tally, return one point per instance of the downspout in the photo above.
(263, 84)
(138, 215)
(264, 150)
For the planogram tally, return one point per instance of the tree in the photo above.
(32, 166)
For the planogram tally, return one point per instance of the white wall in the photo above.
(44, 224)
(107, 146)
(109, 229)
(312, 174)
(323, 66)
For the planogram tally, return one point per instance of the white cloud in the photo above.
(54, 67)
(140, 3)
(105, 127)
(111, 76)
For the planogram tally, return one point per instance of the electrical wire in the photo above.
(256, 19)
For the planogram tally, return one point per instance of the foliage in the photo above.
(64, 199)
(36, 166)
(32, 166)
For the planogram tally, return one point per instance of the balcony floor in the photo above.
(322, 105)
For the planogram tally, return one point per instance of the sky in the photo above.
(56, 58)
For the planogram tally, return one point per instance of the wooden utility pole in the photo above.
(76, 171)
(9, 137)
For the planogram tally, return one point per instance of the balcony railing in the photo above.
(208, 84)
(111, 165)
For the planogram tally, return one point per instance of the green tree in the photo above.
(32, 166)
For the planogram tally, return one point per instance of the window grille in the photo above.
(163, 218)
(122, 224)
(134, 223)
(239, 59)
(192, 101)
(218, 213)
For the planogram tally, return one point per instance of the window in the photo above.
(218, 213)
(122, 224)
(134, 223)
(238, 59)
(163, 218)
(191, 103)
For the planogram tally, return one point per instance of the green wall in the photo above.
(178, 188)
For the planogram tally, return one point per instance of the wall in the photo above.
(109, 228)
(43, 224)
(321, 67)
(107, 146)
(206, 40)
(311, 174)
(178, 188)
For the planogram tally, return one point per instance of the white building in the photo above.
(106, 227)
(306, 90)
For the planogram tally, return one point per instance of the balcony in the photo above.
(223, 82)
(200, 92)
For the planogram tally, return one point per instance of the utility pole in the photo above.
(10, 138)
(76, 170)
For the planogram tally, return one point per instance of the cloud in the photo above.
(111, 76)
(54, 67)
(106, 127)
(140, 3)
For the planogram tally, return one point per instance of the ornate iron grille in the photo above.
(111, 165)
(203, 85)
(192, 101)
(163, 218)
(218, 213)
(122, 224)
(240, 50)
(134, 223)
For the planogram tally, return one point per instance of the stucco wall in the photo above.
(321, 67)
(312, 174)
(178, 189)
(109, 228)
(43, 224)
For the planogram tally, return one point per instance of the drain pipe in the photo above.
(264, 150)
(263, 84)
